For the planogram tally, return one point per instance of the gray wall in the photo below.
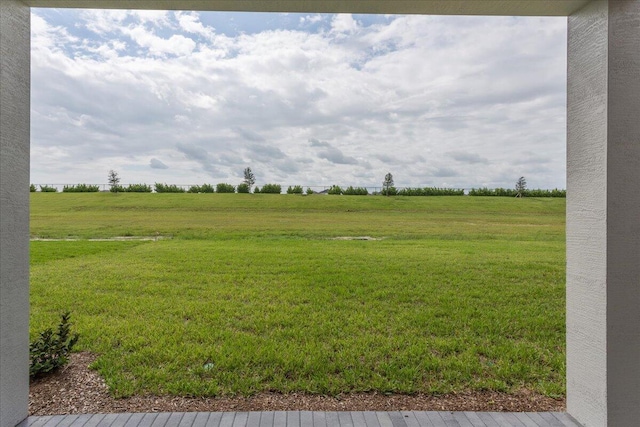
(603, 214)
(426, 7)
(14, 210)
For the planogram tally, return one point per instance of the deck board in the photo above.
(308, 419)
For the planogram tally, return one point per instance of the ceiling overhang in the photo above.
(425, 7)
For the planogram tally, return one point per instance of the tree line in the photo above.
(248, 186)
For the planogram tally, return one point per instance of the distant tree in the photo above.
(114, 179)
(249, 178)
(387, 183)
(521, 187)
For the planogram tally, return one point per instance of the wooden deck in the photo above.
(308, 419)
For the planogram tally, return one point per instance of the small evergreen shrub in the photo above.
(207, 188)
(48, 189)
(309, 190)
(166, 188)
(225, 188)
(204, 188)
(482, 192)
(256, 190)
(51, 349)
(545, 193)
(430, 191)
(32, 188)
(391, 191)
(507, 192)
(81, 188)
(297, 189)
(243, 188)
(355, 191)
(335, 189)
(138, 188)
(271, 189)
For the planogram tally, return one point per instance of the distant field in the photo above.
(249, 293)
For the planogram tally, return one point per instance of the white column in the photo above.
(14, 211)
(603, 214)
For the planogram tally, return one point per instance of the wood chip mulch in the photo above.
(76, 389)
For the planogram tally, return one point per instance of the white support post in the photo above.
(14, 211)
(603, 214)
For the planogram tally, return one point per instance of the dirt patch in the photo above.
(76, 389)
(356, 238)
(105, 239)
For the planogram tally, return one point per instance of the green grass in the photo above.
(252, 293)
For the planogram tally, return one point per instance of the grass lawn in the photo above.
(252, 292)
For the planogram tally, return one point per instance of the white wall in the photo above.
(14, 211)
(603, 214)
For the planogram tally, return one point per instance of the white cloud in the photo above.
(466, 101)
(190, 22)
(311, 19)
(344, 23)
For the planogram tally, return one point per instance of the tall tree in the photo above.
(521, 186)
(387, 183)
(249, 178)
(114, 180)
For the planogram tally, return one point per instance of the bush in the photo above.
(430, 191)
(243, 188)
(204, 188)
(545, 193)
(357, 191)
(47, 189)
(481, 192)
(507, 192)
(137, 188)
(32, 188)
(335, 189)
(81, 188)
(271, 189)
(391, 191)
(294, 190)
(165, 188)
(51, 350)
(309, 190)
(225, 188)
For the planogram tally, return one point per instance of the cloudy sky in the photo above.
(315, 100)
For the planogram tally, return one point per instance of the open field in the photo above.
(250, 293)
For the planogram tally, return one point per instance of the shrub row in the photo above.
(131, 188)
(430, 191)
(294, 190)
(297, 189)
(47, 189)
(81, 188)
(269, 189)
(507, 192)
(168, 188)
(225, 188)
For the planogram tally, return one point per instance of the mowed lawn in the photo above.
(243, 293)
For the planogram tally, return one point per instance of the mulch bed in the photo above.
(76, 389)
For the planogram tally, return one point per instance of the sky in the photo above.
(302, 99)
